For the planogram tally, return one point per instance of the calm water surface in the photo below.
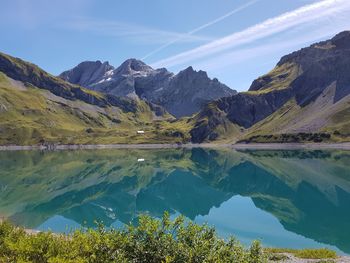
(293, 199)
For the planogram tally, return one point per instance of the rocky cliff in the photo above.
(181, 95)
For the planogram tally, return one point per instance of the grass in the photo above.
(289, 122)
(321, 253)
(341, 124)
(300, 137)
(279, 78)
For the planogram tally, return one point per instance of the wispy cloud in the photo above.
(322, 10)
(275, 46)
(130, 32)
(206, 25)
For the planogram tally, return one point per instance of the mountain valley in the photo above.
(305, 98)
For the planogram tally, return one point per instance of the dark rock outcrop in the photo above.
(87, 72)
(247, 109)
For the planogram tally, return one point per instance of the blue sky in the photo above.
(233, 40)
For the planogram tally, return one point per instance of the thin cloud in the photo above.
(190, 33)
(130, 32)
(318, 11)
(283, 44)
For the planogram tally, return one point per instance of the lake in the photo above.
(293, 199)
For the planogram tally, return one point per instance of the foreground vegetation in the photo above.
(151, 241)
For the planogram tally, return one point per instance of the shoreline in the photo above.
(239, 146)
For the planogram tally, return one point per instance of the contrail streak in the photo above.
(309, 13)
(217, 20)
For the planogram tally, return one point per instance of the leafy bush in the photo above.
(151, 241)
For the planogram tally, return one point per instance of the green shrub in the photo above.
(256, 253)
(150, 241)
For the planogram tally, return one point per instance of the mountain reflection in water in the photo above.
(286, 198)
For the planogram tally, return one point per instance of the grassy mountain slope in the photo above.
(213, 124)
(37, 108)
(306, 97)
(322, 116)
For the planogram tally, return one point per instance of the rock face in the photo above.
(318, 66)
(189, 90)
(303, 75)
(87, 72)
(181, 95)
(246, 109)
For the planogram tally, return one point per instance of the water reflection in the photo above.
(287, 198)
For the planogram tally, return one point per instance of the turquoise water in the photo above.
(294, 199)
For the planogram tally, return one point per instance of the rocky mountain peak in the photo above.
(188, 69)
(133, 65)
(342, 40)
(192, 74)
(181, 95)
(86, 72)
(318, 51)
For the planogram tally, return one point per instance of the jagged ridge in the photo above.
(181, 95)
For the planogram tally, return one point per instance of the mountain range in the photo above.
(39, 108)
(181, 95)
(305, 98)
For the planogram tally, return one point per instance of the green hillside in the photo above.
(37, 108)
